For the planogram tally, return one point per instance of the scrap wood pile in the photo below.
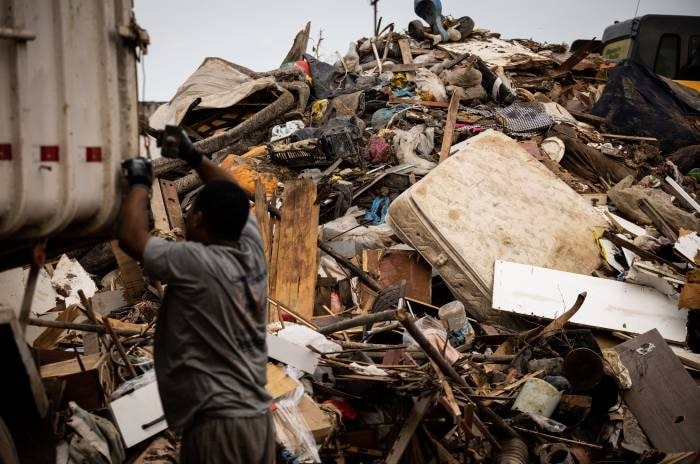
(480, 250)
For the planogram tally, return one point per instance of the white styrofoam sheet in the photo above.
(287, 352)
(609, 304)
(133, 410)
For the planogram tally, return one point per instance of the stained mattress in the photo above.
(491, 201)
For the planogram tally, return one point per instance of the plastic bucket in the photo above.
(537, 397)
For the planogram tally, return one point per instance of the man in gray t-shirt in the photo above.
(210, 352)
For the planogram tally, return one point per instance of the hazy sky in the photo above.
(258, 33)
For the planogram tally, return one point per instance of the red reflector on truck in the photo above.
(5, 151)
(93, 154)
(48, 153)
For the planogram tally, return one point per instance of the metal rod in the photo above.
(119, 346)
(388, 315)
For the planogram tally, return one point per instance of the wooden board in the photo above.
(49, 337)
(610, 304)
(263, 217)
(448, 134)
(296, 254)
(420, 408)
(131, 274)
(390, 267)
(160, 214)
(104, 303)
(663, 397)
(172, 205)
(278, 382)
(406, 57)
(408, 101)
(69, 366)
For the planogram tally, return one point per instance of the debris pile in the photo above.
(480, 250)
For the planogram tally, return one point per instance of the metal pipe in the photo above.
(20, 35)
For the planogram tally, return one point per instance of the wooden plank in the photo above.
(69, 366)
(687, 357)
(683, 194)
(296, 255)
(160, 214)
(278, 382)
(390, 267)
(49, 337)
(448, 135)
(263, 217)
(407, 58)
(131, 274)
(610, 304)
(690, 296)
(172, 205)
(663, 397)
(408, 101)
(420, 408)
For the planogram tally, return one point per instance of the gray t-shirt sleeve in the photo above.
(170, 262)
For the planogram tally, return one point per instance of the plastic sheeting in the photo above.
(218, 83)
(638, 102)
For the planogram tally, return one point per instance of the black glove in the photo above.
(138, 171)
(176, 144)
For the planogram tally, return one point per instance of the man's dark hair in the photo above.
(225, 208)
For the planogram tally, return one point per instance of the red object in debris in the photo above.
(303, 64)
(347, 412)
(289, 318)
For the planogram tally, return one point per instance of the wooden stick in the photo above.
(119, 346)
(448, 134)
(408, 101)
(560, 439)
(304, 321)
(81, 327)
(629, 137)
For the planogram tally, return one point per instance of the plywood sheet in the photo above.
(609, 304)
(493, 200)
(392, 266)
(663, 397)
(295, 253)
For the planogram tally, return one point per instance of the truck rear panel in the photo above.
(69, 97)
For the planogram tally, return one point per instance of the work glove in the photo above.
(138, 171)
(176, 144)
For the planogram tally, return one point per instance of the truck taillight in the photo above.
(93, 154)
(5, 152)
(48, 153)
